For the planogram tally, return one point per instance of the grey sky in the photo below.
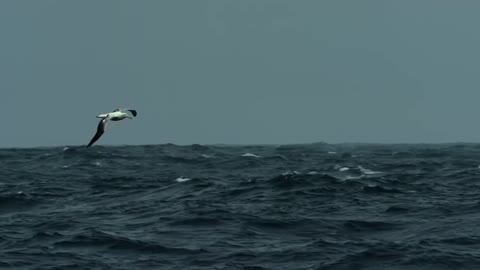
(250, 71)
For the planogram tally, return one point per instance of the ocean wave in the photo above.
(96, 240)
(17, 202)
(196, 222)
(368, 226)
(185, 160)
(380, 189)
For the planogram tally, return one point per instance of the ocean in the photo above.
(308, 206)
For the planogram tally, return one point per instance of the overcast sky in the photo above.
(240, 72)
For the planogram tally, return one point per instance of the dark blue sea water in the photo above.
(313, 206)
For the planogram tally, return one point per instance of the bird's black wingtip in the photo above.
(134, 112)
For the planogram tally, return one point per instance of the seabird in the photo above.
(116, 115)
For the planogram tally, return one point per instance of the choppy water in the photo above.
(315, 206)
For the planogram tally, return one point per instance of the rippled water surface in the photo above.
(315, 206)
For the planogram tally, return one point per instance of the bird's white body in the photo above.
(114, 116)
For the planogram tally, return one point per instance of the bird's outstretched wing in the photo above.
(100, 130)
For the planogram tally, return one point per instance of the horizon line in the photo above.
(245, 144)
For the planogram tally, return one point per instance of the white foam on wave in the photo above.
(182, 179)
(65, 148)
(250, 155)
(332, 152)
(344, 169)
(290, 173)
(312, 173)
(367, 171)
(351, 177)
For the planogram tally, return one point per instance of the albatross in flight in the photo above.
(116, 115)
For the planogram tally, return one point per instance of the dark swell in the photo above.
(312, 206)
